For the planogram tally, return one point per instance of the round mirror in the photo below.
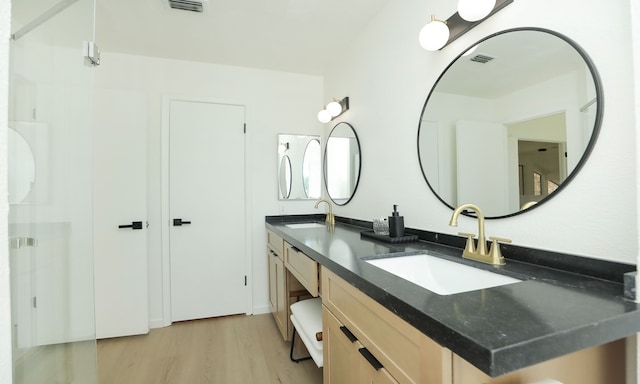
(342, 163)
(311, 168)
(21, 167)
(510, 124)
(285, 177)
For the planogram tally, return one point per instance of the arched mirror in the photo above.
(342, 163)
(510, 122)
(285, 177)
(304, 164)
(21, 167)
(311, 169)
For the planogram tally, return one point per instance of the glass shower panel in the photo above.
(50, 193)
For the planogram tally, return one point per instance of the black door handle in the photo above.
(179, 222)
(133, 225)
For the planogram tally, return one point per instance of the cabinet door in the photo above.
(280, 313)
(339, 353)
(273, 298)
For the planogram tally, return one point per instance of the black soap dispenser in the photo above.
(396, 223)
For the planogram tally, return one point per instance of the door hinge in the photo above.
(245, 280)
(91, 53)
(34, 302)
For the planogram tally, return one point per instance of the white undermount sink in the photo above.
(305, 225)
(438, 275)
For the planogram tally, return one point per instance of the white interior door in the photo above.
(120, 199)
(206, 209)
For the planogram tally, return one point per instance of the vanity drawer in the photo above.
(303, 268)
(275, 242)
(408, 354)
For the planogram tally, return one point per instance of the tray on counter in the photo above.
(389, 239)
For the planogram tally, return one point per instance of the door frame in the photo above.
(165, 216)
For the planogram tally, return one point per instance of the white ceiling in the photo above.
(299, 36)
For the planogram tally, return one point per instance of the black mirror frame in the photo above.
(594, 135)
(324, 164)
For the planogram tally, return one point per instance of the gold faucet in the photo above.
(480, 254)
(331, 220)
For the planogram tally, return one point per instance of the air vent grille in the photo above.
(483, 59)
(186, 5)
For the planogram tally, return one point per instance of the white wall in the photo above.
(386, 70)
(277, 102)
(5, 299)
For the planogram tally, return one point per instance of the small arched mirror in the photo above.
(510, 121)
(311, 170)
(21, 167)
(285, 177)
(342, 163)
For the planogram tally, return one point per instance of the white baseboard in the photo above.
(157, 323)
(261, 310)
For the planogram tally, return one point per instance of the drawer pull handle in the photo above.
(348, 333)
(295, 249)
(370, 358)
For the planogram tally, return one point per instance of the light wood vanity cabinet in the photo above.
(409, 356)
(345, 363)
(597, 365)
(283, 288)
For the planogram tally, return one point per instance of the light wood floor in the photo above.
(225, 350)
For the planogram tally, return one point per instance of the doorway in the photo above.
(205, 209)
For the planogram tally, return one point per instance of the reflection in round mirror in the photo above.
(342, 163)
(21, 167)
(311, 168)
(285, 177)
(509, 125)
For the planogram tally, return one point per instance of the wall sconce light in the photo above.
(474, 10)
(470, 13)
(333, 110)
(434, 35)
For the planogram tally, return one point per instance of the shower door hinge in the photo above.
(91, 53)
(245, 280)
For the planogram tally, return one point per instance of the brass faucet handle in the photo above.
(470, 247)
(494, 252)
(500, 239)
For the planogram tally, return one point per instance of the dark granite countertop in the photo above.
(498, 330)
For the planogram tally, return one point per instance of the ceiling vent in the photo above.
(186, 5)
(482, 59)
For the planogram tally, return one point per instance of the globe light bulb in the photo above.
(334, 108)
(434, 35)
(324, 116)
(474, 10)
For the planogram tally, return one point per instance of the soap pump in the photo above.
(396, 223)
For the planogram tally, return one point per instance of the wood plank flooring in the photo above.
(225, 350)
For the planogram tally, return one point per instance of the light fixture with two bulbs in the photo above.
(333, 110)
(436, 34)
